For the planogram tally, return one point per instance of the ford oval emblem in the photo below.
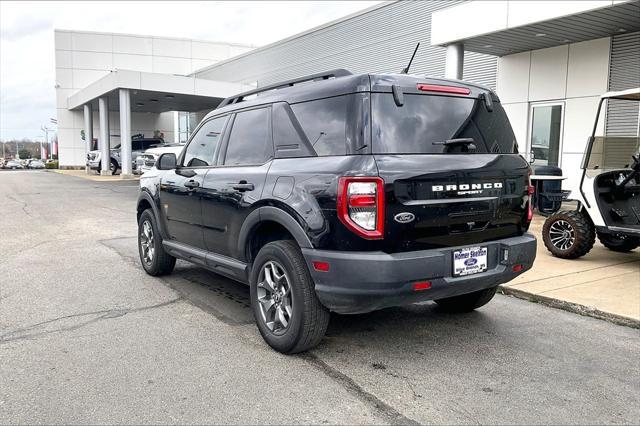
(404, 217)
(471, 262)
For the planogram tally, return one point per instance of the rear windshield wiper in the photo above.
(469, 142)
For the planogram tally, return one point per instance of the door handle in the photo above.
(191, 184)
(243, 186)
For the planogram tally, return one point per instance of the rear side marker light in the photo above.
(425, 285)
(361, 205)
(517, 268)
(321, 266)
(443, 89)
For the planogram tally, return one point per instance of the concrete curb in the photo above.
(571, 307)
(95, 177)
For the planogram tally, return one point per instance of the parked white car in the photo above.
(13, 164)
(147, 161)
(35, 164)
(138, 146)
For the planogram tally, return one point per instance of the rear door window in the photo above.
(425, 123)
(250, 139)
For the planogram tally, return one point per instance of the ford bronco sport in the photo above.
(345, 193)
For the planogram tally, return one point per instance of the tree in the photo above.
(24, 154)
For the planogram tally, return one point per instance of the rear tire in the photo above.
(568, 234)
(619, 243)
(467, 302)
(282, 291)
(155, 260)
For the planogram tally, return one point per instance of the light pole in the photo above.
(45, 129)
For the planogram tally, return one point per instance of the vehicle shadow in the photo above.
(413, 326)
(419, 323)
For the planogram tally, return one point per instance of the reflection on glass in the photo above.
(545, 134)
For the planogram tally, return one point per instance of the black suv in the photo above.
(345, 193)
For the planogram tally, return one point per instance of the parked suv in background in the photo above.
(148, 159)
(348, 193)
(138, 146)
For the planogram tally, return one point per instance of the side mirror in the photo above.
(532, 157)
(167, 161)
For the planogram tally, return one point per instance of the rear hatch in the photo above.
(450, 166)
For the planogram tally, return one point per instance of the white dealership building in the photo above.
(548, 61)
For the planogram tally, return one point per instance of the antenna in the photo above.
(406, 70)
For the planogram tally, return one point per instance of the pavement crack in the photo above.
(381, 408)
(24, 204)
(30, 332)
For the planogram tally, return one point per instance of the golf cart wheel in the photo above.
(619, 243)
(568, 234)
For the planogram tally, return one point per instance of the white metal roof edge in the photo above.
(234, 44)
(507, 27)
(156, 82)
(622, 94)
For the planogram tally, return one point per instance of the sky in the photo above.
(27, 63)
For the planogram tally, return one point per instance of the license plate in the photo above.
(468, 261)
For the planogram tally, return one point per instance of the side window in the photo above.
(289, 139)
(250, 139)
(202, 148)
(324, 123)
(135, 145)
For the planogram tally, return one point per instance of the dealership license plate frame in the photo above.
(460, 259)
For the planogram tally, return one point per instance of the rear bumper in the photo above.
(360, 282)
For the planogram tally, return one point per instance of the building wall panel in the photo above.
(132, 45)
(379, 40)
(548, 75)
(624, 73)
(84, 57)
(588, 69)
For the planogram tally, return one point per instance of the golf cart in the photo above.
(608, 195)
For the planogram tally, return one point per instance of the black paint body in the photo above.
(215, 223)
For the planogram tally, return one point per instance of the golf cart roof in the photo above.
(629, 94)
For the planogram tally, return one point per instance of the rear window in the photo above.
(425, 123)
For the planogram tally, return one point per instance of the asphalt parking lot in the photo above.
(87, 337)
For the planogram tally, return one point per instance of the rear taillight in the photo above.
(530, 191)
(361, 205)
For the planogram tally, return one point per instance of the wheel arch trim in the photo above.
(145, 196)
(274, 214)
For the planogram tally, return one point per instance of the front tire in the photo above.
(155, 260)
(619, 243)
(467, 302)
(568, 234)
(113, 167)
(287, 311)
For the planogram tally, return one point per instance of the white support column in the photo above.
(454, 61)
(88, 130)
(105, 145)
(125, 134)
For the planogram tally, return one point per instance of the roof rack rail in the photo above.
(289, 83)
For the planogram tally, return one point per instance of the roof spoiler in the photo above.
(281, 85)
